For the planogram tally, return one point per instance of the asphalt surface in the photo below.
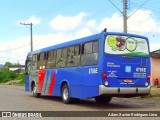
(14, 98)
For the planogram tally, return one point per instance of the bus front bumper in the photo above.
(123, 90)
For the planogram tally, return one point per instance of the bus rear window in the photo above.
(126, 45)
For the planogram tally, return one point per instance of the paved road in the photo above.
(14, 98)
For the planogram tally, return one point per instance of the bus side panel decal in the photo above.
(51, 86)
(45, 82)
(41, 80)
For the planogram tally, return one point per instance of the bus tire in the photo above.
(66, 95)
(103, 99)
(34, 92)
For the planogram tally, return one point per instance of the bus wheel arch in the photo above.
(65, 93)
(34, 89)
(32, 85)
(62, 84)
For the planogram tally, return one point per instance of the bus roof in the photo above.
(81, 40)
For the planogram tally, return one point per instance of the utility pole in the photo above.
(125, 16)
(124, 13)
(31, 34)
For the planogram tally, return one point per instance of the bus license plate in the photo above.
(127, 81)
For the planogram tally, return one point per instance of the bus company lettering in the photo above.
(93, 70)
(139, 75)
(111, 64)
(141, 70)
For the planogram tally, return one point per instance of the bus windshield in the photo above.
(126, 45)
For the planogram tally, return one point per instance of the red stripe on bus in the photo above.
(52, 83)
(41, 76)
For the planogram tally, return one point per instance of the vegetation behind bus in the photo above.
(8, 76)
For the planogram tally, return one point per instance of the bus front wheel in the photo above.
(66, 94)
(103, 99)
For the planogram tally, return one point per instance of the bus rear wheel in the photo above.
(103, 99)
(66, 94)
(34, 92)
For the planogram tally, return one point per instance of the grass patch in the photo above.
(10, 77)
(155, 92)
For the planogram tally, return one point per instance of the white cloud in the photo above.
(50, 39)
(14, 51)
(33, 19)
(91, 24)
(142, 21)
(64, 23)
(83, 32)
(114, 23)
(154, 46)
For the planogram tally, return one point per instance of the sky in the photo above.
(58, 21)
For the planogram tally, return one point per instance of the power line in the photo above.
(56, 7)
(14, 48)
(13, 58)
(45, 10)
(138, 8)
(116, 6)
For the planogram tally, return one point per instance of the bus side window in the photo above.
(64, 57)
(89, 53)
(34, 62)
(58, 58)
(77, 50)
(73, 56)
(41, 61)
(50, 59)
(61, 57)
(71, 51)
(88, 47)
(95, 47)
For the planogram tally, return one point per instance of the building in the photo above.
(155, 66)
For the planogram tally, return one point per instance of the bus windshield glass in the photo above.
(126, 45)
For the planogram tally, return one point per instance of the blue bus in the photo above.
(99, 66)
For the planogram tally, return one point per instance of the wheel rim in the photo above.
(65, 94)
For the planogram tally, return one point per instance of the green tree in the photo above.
(7, 64)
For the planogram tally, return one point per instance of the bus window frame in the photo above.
(41, 61)
(53, 58)
(83, 52)
(33, 63)
(72, 58)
